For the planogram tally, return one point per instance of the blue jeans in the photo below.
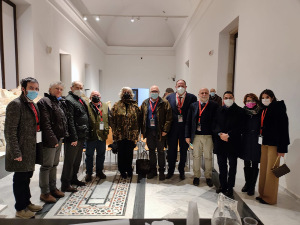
(100, 146)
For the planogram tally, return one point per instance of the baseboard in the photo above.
(290, 193)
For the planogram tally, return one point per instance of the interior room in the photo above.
(110, 46)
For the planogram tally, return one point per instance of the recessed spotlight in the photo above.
(85, 18)
(132, 20)
(97, 18)
(166, 19)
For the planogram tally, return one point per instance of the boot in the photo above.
(251, 187)
(248, 173)
(48, 198)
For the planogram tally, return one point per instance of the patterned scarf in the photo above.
(252, 111)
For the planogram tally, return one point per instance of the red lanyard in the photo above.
(36, 116)
(100, 112)
(179, 103)
(81, 102)
(200, 111)
(153, 109)
(263, 115)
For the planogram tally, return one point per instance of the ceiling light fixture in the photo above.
(97, 18)
(85, 18)
(132, 20)
(138, 19)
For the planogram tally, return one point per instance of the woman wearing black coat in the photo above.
(275, 141)
(251, 149)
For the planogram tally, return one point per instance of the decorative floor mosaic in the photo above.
(98, 198)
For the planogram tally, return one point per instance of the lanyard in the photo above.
(263, 115)
(100, 111)
(153, 109)
(36, 116)
(201, 111)
(179, 103)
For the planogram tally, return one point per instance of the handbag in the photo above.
(143, 164)
(280, 170)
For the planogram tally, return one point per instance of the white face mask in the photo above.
(180, 90)
(78, 93)
(266, 102)
(228, 102)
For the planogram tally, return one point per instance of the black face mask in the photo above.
(126, 95)
(95, 99)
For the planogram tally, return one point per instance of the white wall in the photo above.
(268, 57)
(132, 71)
(50, 28)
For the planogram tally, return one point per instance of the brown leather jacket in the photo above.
(163, 114)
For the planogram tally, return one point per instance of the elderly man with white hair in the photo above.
(156, 122)
(99, 129)
(54, 127)
(124, 120)
(78, 122)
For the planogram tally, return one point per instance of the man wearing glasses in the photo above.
(227, 129)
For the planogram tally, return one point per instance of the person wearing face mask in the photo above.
(274, 140)
(214, 97)
(156, 114)
(250, 151)
(22, 132)
(99, 129)
(124, 120)
(54, 127)
(180, 103)
(78, 124)
(227, 129)
(198, 131)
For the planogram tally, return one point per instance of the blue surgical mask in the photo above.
(58, 98)
(212, 94)
(154, 95)
(32, 94)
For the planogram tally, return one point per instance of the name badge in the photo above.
(180, 118)
(260, 139)
(101, 126)
(39, 137)
(199, 127)
(152, 123)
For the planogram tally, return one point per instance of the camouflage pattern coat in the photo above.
(125, 121)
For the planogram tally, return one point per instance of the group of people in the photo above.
(257, 133)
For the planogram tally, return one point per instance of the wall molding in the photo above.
(290, 193)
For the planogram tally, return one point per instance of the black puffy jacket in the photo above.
(276, 127)
(78, 118)
(53, 122)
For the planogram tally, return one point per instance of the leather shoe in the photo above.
(182, 176)
(229, 192)
(68, 189)
(209, 182)
(220, 190)
(48, 198)
(169, 176)
(88, 177)
(101, 175)
(162, 176)
(78, 183)
(124, 175)
(196, 181)
(151, 175)
(57, 193)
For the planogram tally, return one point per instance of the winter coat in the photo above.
(251, 150)
(125, 120)
(217, 99)
(193, 117)
(78, 119)
(163, 115)
(229, 121)
(20, 135)
(275, 130)
(54, 125)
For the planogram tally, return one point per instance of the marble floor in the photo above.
(144, 198)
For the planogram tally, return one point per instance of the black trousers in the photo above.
(222, 162)
(73, 156)
(172, 151)
(125, 155)
(21, 183)
(153, 143)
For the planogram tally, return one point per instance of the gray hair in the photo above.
(154, 86)
(57, 83)
(127, 89)
(75, 82)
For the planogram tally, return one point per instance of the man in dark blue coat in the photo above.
(180, 103)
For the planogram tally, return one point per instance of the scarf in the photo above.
(253, 111)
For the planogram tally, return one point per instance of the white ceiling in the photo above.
(148, 32)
